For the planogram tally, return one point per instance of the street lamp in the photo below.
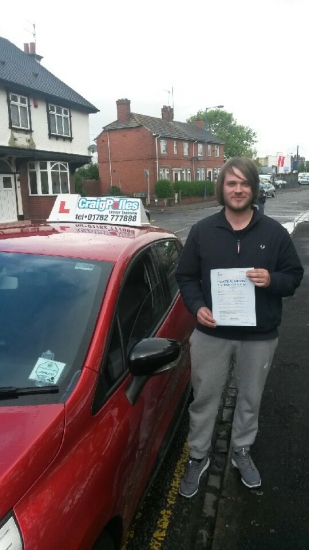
(208, 109)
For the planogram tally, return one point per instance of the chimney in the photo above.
(200, 123)
(31, 50)
(123, 110)
(167, 113)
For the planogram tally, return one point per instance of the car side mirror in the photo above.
(154, 356)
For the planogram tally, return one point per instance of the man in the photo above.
(236, 237)
(261, 198)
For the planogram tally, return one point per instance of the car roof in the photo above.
(85, 241)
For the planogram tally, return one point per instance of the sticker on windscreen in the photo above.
(47, 371)
(86, 267)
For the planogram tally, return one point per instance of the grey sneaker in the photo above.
(242, 460)
(190, 481)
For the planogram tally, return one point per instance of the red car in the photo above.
(94, 371)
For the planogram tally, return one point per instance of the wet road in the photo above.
(285, 208)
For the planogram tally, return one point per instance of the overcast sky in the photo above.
(249, 55)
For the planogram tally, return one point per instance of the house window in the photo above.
(217, 150)
(19, 110)
(201, 174)
(48, 178)
(163, 146)
(186, 148)
(175, 148)
(186, 174)
(216, 172)
(209, 150)
(200, 151)
(59, 121)
(164, 174)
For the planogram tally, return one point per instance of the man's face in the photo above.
(237, 193)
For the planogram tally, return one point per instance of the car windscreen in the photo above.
(48, 310)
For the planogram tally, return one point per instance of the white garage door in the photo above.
(8, 210)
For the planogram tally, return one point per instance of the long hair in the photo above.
(247, 168)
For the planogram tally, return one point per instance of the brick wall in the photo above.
(36, 208)
(133, 150)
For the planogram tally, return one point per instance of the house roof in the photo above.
(23, 71)
(159, 126)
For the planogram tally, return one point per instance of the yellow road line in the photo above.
(159, 534)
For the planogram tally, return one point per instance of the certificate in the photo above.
(233, 297)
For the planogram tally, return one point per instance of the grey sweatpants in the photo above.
(210, 361)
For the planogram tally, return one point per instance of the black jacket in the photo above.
(261, 196)
(264, 243)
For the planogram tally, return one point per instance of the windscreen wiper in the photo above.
(11, 391)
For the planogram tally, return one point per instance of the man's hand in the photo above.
(260, 277)
(204, 317)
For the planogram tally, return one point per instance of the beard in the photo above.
(241, 206)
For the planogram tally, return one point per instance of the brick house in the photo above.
(44, 135)
(137, 150)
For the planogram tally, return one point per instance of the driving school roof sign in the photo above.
(104, 210)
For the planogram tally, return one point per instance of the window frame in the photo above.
(175, 147)
(50, 164)
(167, 175)
(200, 171)
(167, 291)
(200, 150)
(217, 151)
(209, 150)
(68, 117)
(185, 172)
(186, 148)
(163, 146)
(27, 105)
(101, 394)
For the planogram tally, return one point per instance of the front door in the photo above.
(176, 175)
(8, 210)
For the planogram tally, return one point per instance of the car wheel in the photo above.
(104, 542)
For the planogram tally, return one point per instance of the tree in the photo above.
(88, 172)
(238, 139)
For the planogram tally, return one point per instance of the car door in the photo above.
(142, 311)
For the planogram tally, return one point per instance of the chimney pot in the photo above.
(26, 47)
(32, 47)
(123, 110)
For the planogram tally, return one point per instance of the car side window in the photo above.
(168, 257)
(141, 304)
(140, 309)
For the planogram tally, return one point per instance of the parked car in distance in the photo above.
(265, 178)
(279, 183)
(269, 189)
(94, 371)
(303, 180)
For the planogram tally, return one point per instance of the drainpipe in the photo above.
(109, 160)
(193, 161)
(157, 159)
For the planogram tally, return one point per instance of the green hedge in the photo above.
(194, 188)
(164, 189)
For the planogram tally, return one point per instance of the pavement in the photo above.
(275, 516)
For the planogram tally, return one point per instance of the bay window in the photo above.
(48, 178)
